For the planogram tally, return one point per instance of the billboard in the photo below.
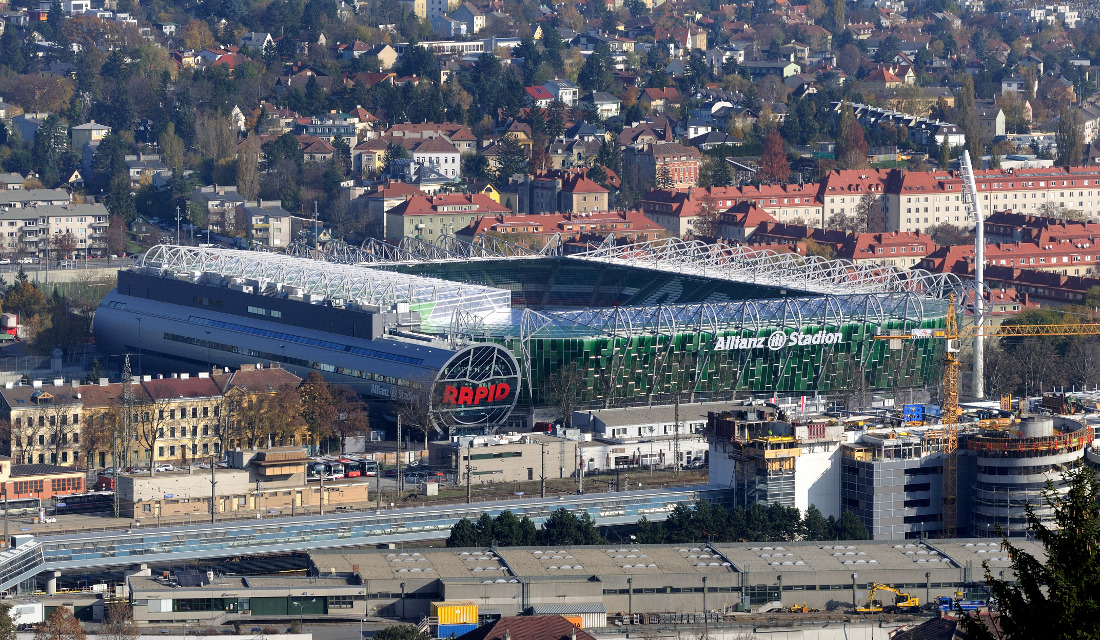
(478, 387)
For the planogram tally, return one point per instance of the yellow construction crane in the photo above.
(903, 602)
(950, 412)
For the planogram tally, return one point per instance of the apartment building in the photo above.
(176, 419)
(560, 191)
(918, 200)
(219, 203)
(902, 249)
(68, 230)
(431, 216)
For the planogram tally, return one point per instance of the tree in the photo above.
(8, 629)
(870, 214)
(815, 526)
(149, 417)
(511, 159)
(61, 625)
(851, 148)
(1070, 139)
(838, 22)
(463, 534)
(318, 408)
(248, 175)
(565, 389)
(95, 436)
(119, 624)
(945, 234)
(968, 116)
(564, 527)
(774, 167)
(1054, 598)
(708, 222)
(850, 527)
(172, 149)
(401, 632)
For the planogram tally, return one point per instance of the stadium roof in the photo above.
(435, 299)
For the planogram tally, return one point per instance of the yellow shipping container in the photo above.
(455, 612)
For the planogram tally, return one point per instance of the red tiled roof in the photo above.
(172, 388)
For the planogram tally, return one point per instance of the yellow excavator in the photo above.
(903, 602)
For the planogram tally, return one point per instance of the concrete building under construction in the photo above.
(768, 458)
(891, 475)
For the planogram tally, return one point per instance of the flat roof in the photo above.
(413, 563)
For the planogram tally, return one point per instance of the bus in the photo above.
(335, 469)
(331, 470)
(370, 468)
(22, 506)
(352, 468)
(91, 502)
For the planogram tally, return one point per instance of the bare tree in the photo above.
(119, 624)
(351, 414)
(414, 406)
(565, 389)
(149, 418)
(96, 435)
(707, 223)
(62, 426)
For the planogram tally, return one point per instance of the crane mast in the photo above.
(974, 212)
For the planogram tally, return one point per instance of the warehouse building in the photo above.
(633, 579)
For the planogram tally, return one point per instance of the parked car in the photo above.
(25, 260)
(165, 467)
(5, 260)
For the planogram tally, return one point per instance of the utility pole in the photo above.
(542, 484)
(676, 433)
(400, 478)
(122, 443)
(177, 225)
(378, 488)
(321, 499)
(580, 471)
(467, 475)
(213, 489)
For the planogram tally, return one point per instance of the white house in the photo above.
(440, 155)
(471, 16)
(563, 90)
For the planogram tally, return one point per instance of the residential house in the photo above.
(563, 90)
(271, 226)
(256, 41)
(761, 68)
(219, 203)
(470, 16)
(87, 134)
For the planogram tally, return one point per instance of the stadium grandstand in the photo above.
(485, 324)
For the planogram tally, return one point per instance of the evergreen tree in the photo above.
(564, 527)
(968, 116)
(512, 159)
(463, 534)
(815, 526)
(1054, 597)
(837, 15)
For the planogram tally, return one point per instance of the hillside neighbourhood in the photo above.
(831, 130)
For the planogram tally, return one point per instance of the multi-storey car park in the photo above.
(486, 325)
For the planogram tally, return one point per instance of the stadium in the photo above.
(487, 326)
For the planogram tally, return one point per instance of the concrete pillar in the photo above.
(51, 583)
